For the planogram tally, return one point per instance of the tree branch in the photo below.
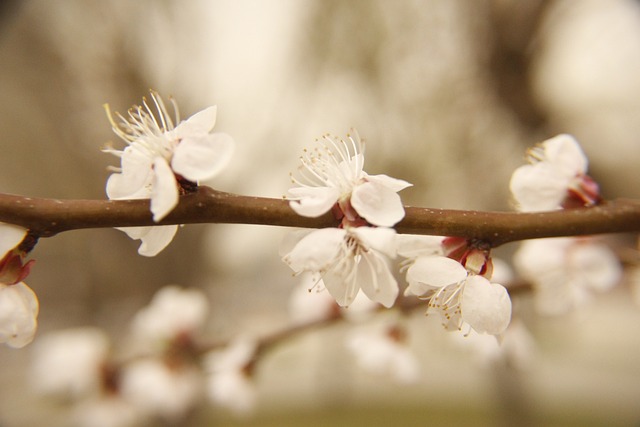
(48, 217)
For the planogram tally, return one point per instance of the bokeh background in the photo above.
(448, 95)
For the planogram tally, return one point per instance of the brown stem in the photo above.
(47, 217)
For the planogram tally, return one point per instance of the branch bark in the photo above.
(48, 217)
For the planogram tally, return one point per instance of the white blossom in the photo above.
(172, 312)
(565, 271)
(69, 362)
(161, 160)
(157, 389)
(230, 383)
(555, 178)
(333, 174)
(349, 259)
(458, 296)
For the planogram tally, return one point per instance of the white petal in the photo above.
(486, 306)
(154, 239)
(413, 246)
(538, 187)
(596, 265)
(565, 154)
(312, 201)
(200, 123)
(164, 193)
(436, 271)
(376, 280)
(10, 237)
(343, 289)
(381, 239)
(316, 251)
(393, 184)
(136, 174)
(203, 156)
(377, 204)
(18, 315)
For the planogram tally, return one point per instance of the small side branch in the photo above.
(48, 217)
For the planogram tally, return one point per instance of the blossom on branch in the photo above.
(332, 176)
(555, 178)
(18, 303)
(565, 271)
(460, 297)
(163, 160)
(349, 259)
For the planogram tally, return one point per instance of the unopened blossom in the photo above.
(159, 390)
(555, 178)
(173, 313)
(458, 296)
(566, 271)
(18, 314)
(164, 157)
(230, 383)
(332, 176)
(70, 362)
(349, 259)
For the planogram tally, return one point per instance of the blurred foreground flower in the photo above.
(162, 161)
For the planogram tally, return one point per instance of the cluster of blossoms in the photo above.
(354, 262)
(565, 270)
(163, 375)
(162, 161)
(356, 256)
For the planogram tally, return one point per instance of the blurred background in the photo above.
(448, 95)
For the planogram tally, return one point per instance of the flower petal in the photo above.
(486, 306)
(393, 184)
(200, 123)
(377, 204)
(376, 280)
(312, 201)
(132, 181)
(316, 250)
(413, 246)
(18, 315)
(566, 156)
(437, 271)
(154, 239)
(381, 239)
(203, 156)
(164, 194)
(343, 289)
(538, 187)
(10, 237)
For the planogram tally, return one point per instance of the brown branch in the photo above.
(48, 217)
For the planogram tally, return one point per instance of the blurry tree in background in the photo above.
(448, 95)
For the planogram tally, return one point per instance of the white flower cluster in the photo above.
(565, 270)
(162, 377)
